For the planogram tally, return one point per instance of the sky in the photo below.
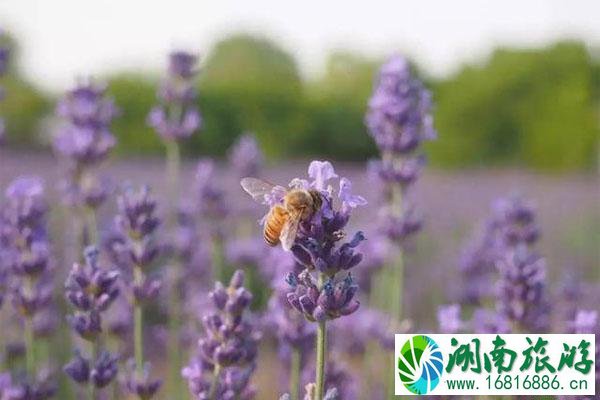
(64, 39)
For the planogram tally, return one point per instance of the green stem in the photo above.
(29, 347)
(212, 394)
(397, 289)
(138, 338)
(29, 333)
(173, 167)
(321, 356)
(218, 259)
(174, 327)
(295, 367)
(93, 355)
(91, 226)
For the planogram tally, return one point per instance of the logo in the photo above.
(420, 364)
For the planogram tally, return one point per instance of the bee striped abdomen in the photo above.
(274, 224)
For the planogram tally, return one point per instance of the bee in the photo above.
(282, 221)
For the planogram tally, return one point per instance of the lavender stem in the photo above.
(218, 260)
(29, 346)
(91, 225)
(137, 326)
(321, 348)
(172, 174)
(93, 355)
(29, 335)
(295, 367)
(212, 394)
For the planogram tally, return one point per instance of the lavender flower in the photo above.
(85, 141)
(331, 293)
(449, 319)
(317, 247)
(586, 322)
(227, 352)
(91, 290)
(27, 252)
(399, 116)
(246, 157)
(478, 264)
(211, 204)
(4, 58)
(521, 294)
(136, 225)
(176, 117)
(399, 119)
(489, 321)
(514, 217)
(41, 388)
(141, 384)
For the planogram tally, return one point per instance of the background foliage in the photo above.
(537, 108)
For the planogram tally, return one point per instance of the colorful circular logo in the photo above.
(420, 364)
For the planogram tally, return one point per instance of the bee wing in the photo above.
(257, 188)
(289, 230)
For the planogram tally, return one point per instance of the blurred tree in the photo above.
(335, 107)
(535, 108)
(23, 106)
(249, 83)
(135, 96)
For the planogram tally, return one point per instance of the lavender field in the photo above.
(235, 278)
(453, 205)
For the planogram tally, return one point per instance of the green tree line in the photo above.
(537, 108)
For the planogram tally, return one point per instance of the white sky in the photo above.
(62, 39)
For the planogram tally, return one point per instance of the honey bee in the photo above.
(282, 221)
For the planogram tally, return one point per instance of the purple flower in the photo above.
(585, 322)
(489, 321)
(348, 199)
(521, 289)
(321, 172)
(105, 370)
(399, 115)
(176, 117)
(478, 263)
(4, 59)
(90, 287)
(229, 345)
(142, 386)
(211, 204)
(84, 141)
(319, 247)
(514, 218)
(245, 156)
(137, 223)
(86, 105)
(399, 228)
(399, 119)
(449, 320)
(182, 64)
(41, 387)
(25, 245)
